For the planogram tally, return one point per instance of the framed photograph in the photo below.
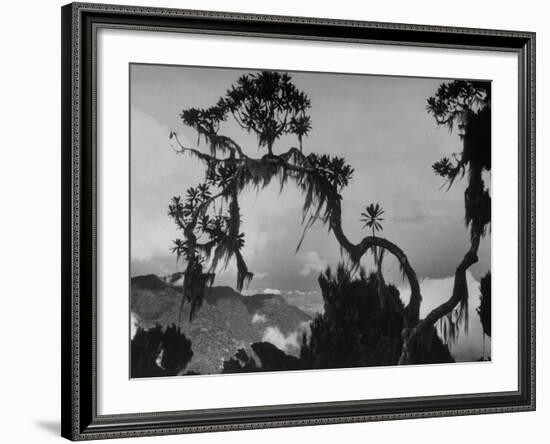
(281, 221)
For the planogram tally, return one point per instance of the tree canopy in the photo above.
(466, 106)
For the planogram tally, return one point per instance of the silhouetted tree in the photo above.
(270, 106)
(155, 352)
(465, 105)
(356, 331)
(372, 218)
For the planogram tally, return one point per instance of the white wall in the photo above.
(30, 209)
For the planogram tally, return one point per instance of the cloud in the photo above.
(288, 343)
(256, 239)
(469, 346)
(412, 215)
(258, 317)
(260, 275)
(279, 340)
(271, 291)
(311, 302)
(134, 324)
(312, 263)
(302, 293)
(155, 170)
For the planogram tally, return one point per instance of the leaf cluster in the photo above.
(332, 169)
(267, 104)
(372, 217)
(270, 105)
(467, 104)
(455, 98)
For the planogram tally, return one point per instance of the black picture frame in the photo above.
(80, 420)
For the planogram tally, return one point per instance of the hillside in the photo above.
(227, 321)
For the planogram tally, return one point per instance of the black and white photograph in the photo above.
(306, 220)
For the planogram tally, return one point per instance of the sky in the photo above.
(378, 123)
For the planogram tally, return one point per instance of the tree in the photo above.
(465, 105)
(355, 330)
(270, 106)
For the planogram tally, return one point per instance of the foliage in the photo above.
(269, 105)
(467, 106)
(484, 309)
(224, 240)
(155, 352)
(354, 330)
(452, 100)
(372, 217)
(266, 104)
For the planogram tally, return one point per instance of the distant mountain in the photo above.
(227, 321)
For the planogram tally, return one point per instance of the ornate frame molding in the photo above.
(80, 22)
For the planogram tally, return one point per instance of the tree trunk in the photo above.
(414, 328)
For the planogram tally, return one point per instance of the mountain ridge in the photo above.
(227, 321)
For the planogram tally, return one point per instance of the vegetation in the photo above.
(465, 105)
(268, 105)
(355, 330)
(155, 352)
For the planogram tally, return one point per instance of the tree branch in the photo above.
(202, 156)
(355, 252)
(460, 288)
